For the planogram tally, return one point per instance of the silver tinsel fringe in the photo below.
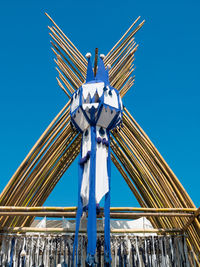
(127, 251)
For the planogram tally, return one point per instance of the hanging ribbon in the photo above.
(79, 210)
(107, 251)
(91, 226)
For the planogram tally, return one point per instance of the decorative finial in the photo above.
(90, 73)
(108, 66)
(88, 55)
(102, 56)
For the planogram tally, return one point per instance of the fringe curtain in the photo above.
(131, 251)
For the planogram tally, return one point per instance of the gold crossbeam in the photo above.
(14, 209)
(64, 230)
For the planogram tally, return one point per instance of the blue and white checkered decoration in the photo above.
(96, 103)
(96, 108)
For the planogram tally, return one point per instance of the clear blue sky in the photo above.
(164, 100)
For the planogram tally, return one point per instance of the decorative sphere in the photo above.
(96, 103)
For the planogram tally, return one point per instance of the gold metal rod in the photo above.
(107, 56)
(22, 168)
(126, 40)
(124, 215)
(63, 88)
(78, 73)
(122, 52)
(123, 90)
(74, 47)
(95, 62)
(67, 75)
(197, 213)
(129, 51)
(60, 47)
(112, 209)
(68, 51)
(67, 84)
(65, 230)
(69, 70)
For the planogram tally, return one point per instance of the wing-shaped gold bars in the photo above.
(72, 65)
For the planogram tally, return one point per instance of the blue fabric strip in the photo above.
(120, 256)
(79, 211)
(92, 224)
(133, 256)
(102, 75)
(81, 96)
(107, 251)
(92, 117)
(90, 73)
(11, 252)
(125, 260)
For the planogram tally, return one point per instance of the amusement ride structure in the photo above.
(95, 125)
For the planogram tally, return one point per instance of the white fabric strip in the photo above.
(102, 185)
(9, 249)
(14, 254)
(120, 103)
(86, 146)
